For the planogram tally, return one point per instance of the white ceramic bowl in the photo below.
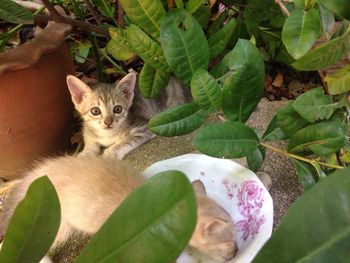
(236, 189)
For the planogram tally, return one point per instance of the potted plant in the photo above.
(35, 111)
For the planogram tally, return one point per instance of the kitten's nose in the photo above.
(108, 121)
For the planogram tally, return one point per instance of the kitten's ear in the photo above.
(77, 89)
(217, 228)
(127, 85)
(198, 187)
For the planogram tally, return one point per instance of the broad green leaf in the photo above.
(339, 81)
(206, 91)
(273, 131)
(325, 55)
(314, 105)
(202, 15)
(33, 226)
(218, 41)
(179, 4)
(153, 224)
(226, 140)
(147, 14)
(178, 121)
(300, 31)
(289, 120)
(147, 48)
(306, 174)
(105, 8)
(245, 85)
(184, 44)
(321, 138)
(316, 227)
(328, 21)
(119, 46)
(152, 81)
(339, 7)
(83, 52)
(193, 5)
(256, 159)
(12, 12)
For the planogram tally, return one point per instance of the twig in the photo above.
(93, 11)
(55, 16)
(297, 157)
(171, 4)
(283, 7)
(76, 23)
(51, 8)
(120, 15)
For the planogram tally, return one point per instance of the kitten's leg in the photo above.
(138, 136)
(90, 148)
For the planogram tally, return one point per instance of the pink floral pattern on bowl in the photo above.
(238, 190)
(249, 200)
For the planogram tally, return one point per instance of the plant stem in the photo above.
(297, 157)
(93, 11)
(104, 54)
(120, 14)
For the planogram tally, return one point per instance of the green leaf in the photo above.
(226, 140)
(119, 46)
(339, 81)
(147, 48)
(33, 226)
(314, 105)
(12, 12)
(83, 52)
(105, 8)
(321, 138)
(273, 131)
(179, 4)
(184, 44)
(153, 224)
(152, 81)
(340, 7)
(245, 85)
(206, 91)
(178, 121)
(289, 120)
(147, 14)
(193, 5)
(218, 41)
(328, 21)
(306, 174)
(256, 159)
(324, 55)
(202, 15)
(300, 31)
(316, 227)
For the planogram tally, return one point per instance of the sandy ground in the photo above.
(285, 187)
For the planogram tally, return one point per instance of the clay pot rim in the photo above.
(29, 53)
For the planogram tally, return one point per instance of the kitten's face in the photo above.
(105, 107)
(215, 231)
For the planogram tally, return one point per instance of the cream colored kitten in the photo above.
(90, 188)
(115, 116)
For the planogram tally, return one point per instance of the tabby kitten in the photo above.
(115, 116)
(90, 188)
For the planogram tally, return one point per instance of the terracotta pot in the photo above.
(35, 109)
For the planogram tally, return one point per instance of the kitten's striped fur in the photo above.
(116, 134)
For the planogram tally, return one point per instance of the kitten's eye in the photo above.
(117, 109)
(95, 111)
